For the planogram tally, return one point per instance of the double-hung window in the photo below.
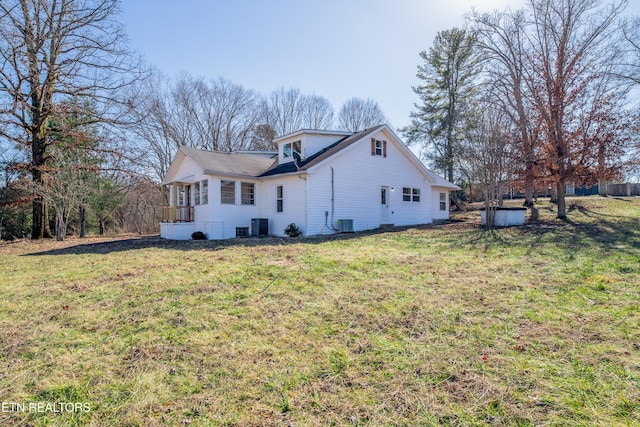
(228, 192)
(247, 193)
(443, 201)
(196, 193)
(378, 148)
(406, 194)
(279, 199)
(204, 188)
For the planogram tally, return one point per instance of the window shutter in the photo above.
(384, 148)
(373, 146)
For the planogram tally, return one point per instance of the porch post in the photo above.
(174, 194)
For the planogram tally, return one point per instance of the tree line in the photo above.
(535, 97)
(538, 97)
(87, 130)
(220, 115)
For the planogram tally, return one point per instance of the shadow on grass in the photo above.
(609, 232)
(147, 242)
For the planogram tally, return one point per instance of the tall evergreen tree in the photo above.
(447, 76)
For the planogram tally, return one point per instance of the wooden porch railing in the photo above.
(177, 214)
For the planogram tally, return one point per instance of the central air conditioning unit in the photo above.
(345, 225)
(259, 227)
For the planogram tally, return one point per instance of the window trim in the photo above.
(290, 147)
(204, 192)
(279, 199)
(411, 195)
(247, 198)
(378, 148)
(406, 194)
(443, 201)
(226, 184)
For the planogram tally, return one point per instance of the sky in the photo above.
(337, 49)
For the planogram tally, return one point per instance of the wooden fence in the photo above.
(620, 190)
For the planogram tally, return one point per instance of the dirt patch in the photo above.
(103, 245)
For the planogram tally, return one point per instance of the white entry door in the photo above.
(384, 205)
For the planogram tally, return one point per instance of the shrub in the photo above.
(292, 230)
(198, 235)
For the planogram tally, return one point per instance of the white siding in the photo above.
(177, 230)
(232, 215)
(294, 206)
(358, 179)
(435, 197)
(314, 143)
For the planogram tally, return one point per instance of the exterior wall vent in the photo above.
(242, 231)
(345, 225)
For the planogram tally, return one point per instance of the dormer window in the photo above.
(291, 147)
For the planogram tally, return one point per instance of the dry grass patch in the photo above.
(447, 325)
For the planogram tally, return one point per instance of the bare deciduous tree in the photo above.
(488, 150)
(503, 37)
(51, 50)
(289, 110)
(213, 115)
(357, 114)
(570, 49)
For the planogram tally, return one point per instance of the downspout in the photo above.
(333, 202)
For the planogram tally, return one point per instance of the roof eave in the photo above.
(312, 132)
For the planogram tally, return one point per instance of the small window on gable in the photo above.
(443, 201)
(291, 147)
(378, 147)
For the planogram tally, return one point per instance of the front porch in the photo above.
(177, 214)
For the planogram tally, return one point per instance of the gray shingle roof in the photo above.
(230, 163)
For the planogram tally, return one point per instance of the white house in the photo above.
(323, 181)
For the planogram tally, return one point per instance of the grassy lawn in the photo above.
(443, 325)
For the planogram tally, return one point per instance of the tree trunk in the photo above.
(489, 210)
(554, 194)
(61, 226)
(529, 184)
(562, 207)
(83, 220)
(38, 222)
(101, 226)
